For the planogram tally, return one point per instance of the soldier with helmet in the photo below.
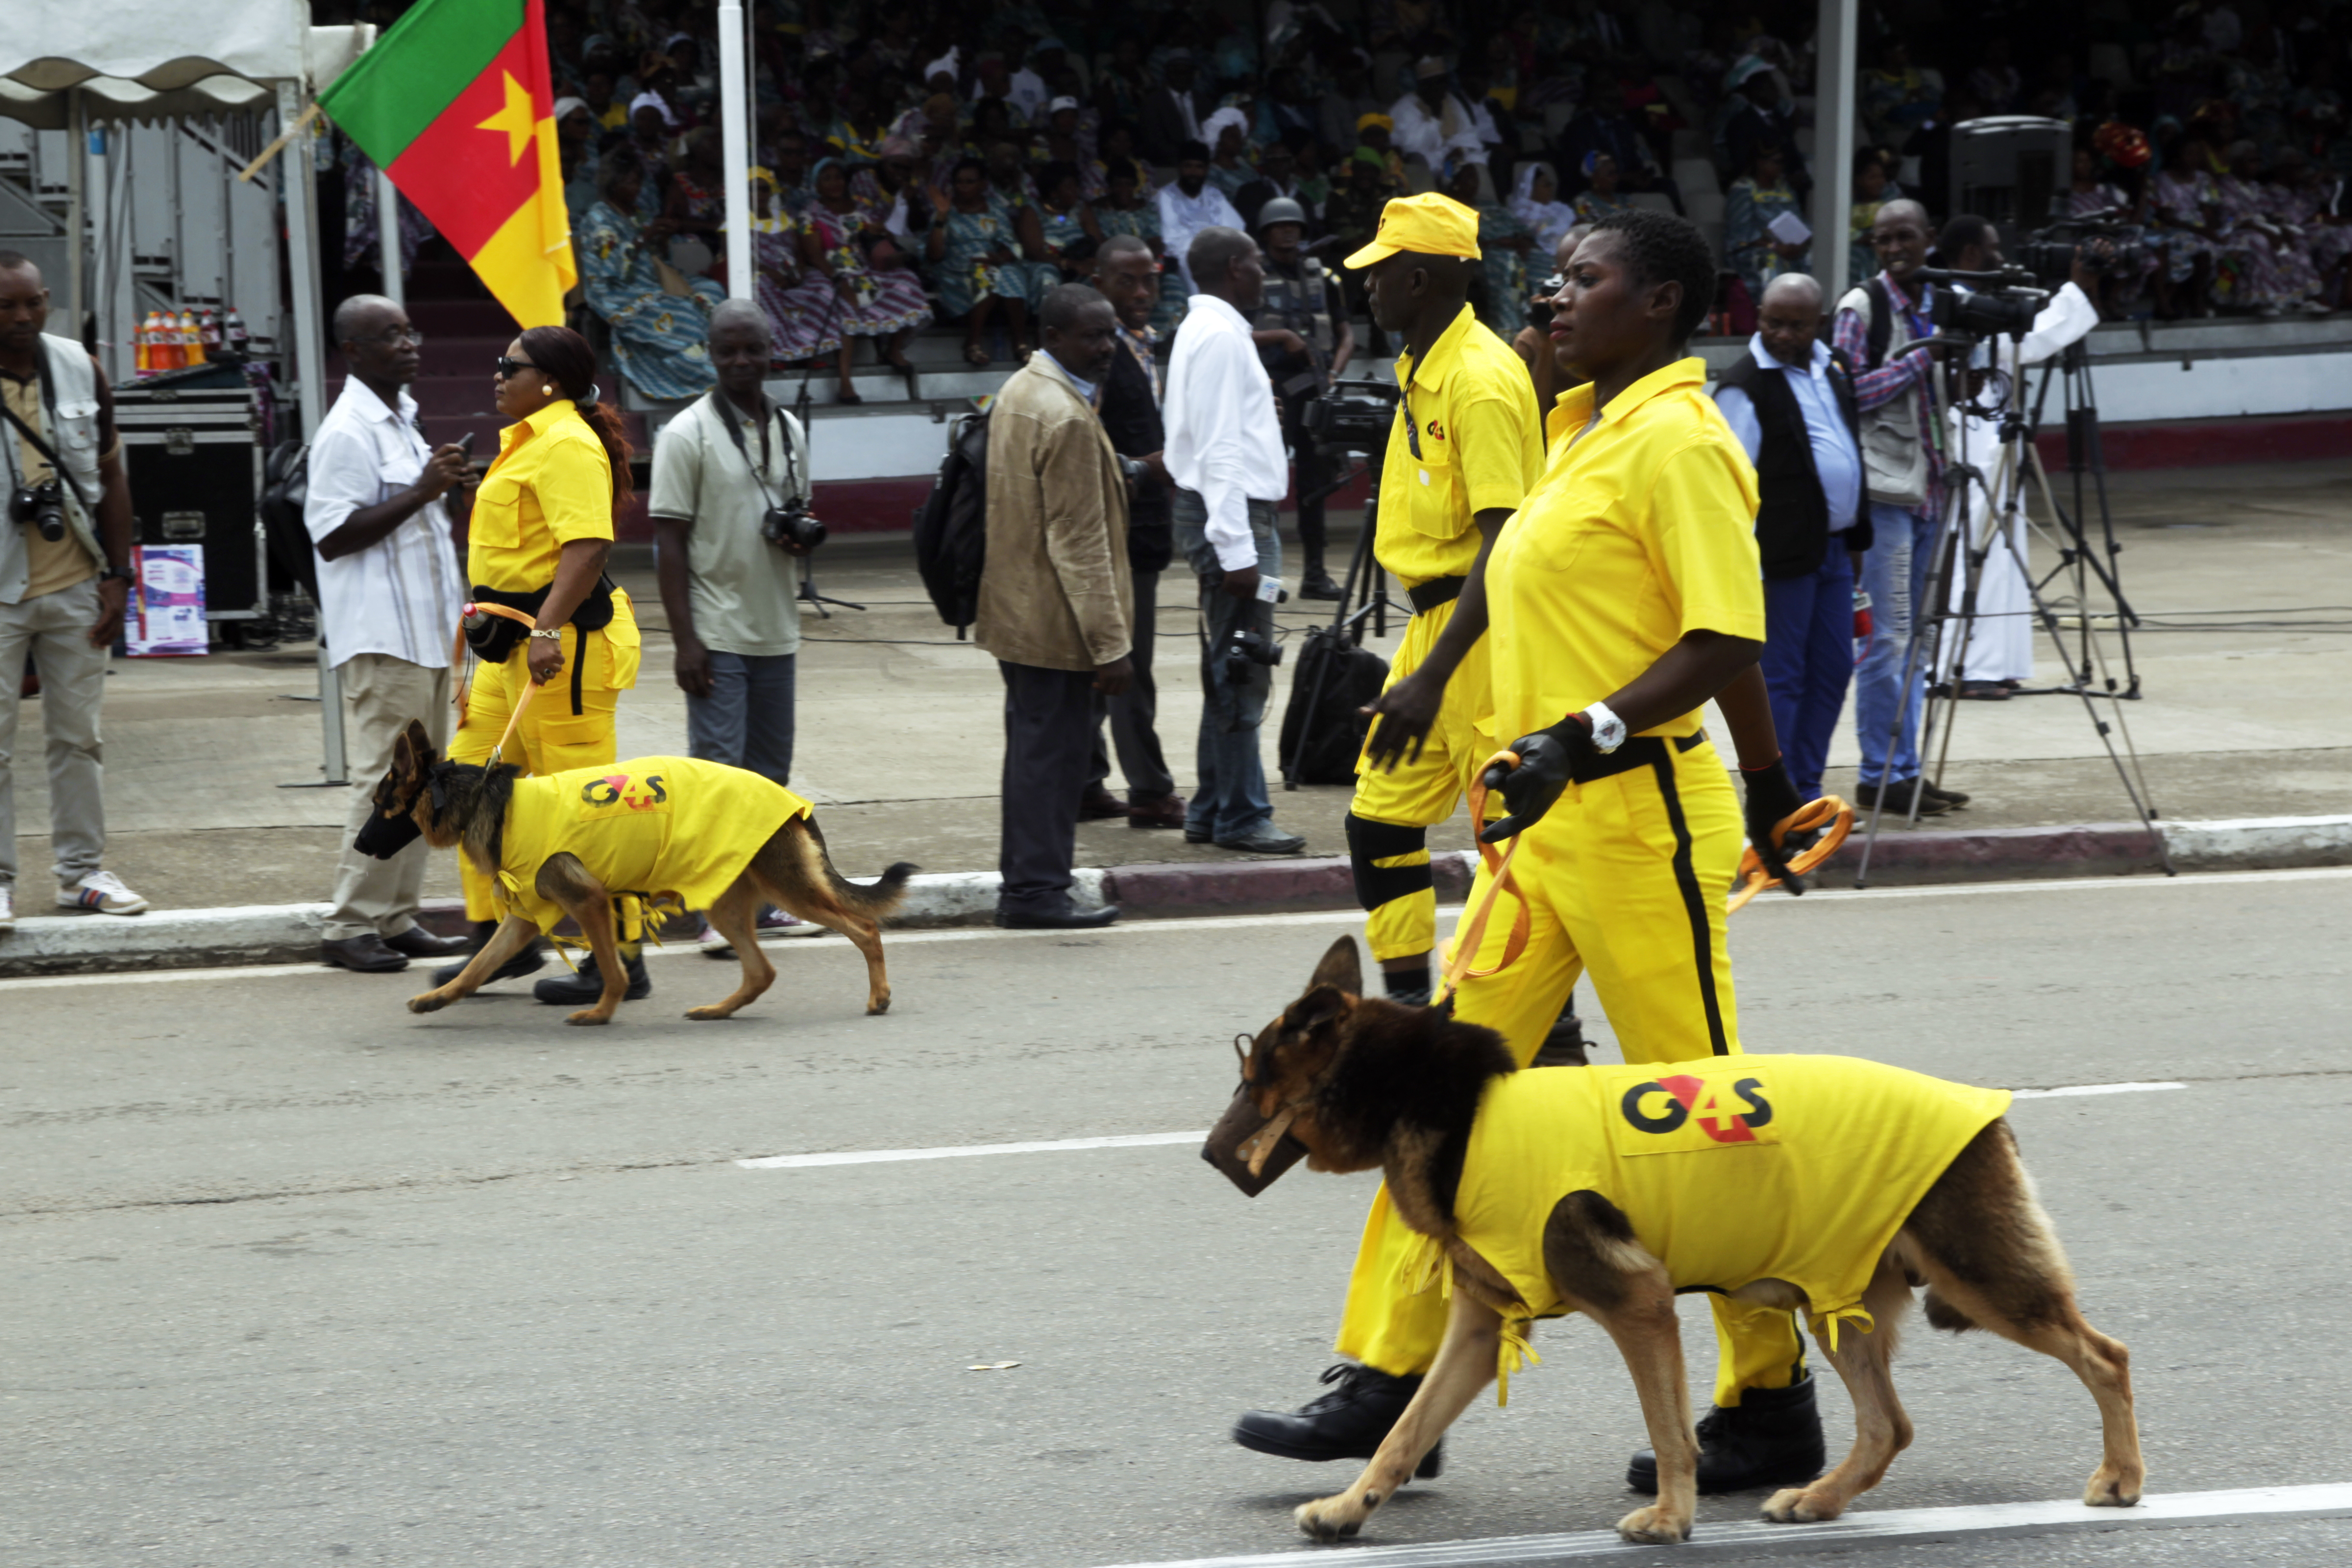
(1303, 336)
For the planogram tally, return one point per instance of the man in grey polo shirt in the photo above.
(730, 594)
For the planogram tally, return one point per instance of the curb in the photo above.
(289, 934)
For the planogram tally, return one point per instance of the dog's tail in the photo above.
(874, 899)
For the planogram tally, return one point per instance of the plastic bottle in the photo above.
(145, 341)
(233, 331)
(192, 341)
(166, 354)
(208, 331)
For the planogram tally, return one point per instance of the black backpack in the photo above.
(286, 481)
(951, 525)
(1338, 677)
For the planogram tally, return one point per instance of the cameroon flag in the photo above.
(455, 103)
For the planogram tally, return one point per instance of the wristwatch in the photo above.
(118, 574)
(553, 635)
(1608, 729)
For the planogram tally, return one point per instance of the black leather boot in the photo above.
(529, 961)
(1348, 1423)
(1563, 1044)
(583, 989)
(1772, 1437)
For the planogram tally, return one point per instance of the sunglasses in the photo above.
(508, 365)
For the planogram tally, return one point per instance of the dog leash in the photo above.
(1472, 932)
(464, 686)
(1829, 812)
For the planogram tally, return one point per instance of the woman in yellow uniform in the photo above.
(541, 529)
(1621, 595)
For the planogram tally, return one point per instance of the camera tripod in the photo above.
(808, 592)
(1945, 618)
(2086, 458)
(1363, 595)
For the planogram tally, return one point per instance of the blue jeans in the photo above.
(1808, 659)
(1231, 801)
(1894, 576)
(747, 720)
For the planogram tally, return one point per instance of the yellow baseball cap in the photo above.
(1431, 224)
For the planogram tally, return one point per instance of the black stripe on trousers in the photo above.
(1693, 901)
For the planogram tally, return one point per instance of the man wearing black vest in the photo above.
(1128, 277)
(1789, 399)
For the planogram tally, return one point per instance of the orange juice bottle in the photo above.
(192, 340)
(146, 340)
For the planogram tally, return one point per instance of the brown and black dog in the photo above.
(456, 803)
(1361, 1083)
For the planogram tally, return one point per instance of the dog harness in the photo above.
(1730, 1169)
(652, 829)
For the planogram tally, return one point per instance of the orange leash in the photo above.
(1829, 812)
(464, 686)
(1472, 932)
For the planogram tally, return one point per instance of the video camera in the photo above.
(1356, 420)
(2000, 304)
(2111, 247)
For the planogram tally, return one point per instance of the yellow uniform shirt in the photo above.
(551, 484)
(1471, 410)
(1731, 1169)
(649, 828)
(1641, 530)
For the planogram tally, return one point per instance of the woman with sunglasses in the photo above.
(541, 529)
(1621, 598)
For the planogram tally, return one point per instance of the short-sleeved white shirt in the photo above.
(744, 589)
(402, 595)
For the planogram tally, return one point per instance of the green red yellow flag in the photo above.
(456, 103)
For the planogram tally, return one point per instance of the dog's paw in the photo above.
(431, 1001)
(2111, 1489)
(875, 1008)
(1331, 1518)
(704, 1014)
(588, 1015)
(1654, 1526)
(1800, 1505)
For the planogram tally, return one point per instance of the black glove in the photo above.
(1771, 800)
(1547, 759)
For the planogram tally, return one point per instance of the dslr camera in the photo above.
(1356, 420)
(1248, 646)
(42, 507)
(791, 526)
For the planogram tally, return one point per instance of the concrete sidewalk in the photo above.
(900, 738)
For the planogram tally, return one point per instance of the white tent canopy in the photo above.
(159, 44)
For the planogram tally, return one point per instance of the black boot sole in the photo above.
(1432, 1464)
(530, 961)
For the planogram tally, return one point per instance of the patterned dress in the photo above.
(660, 341)
(805, 316)
(2177, 206)
(1748, 214)
(1143, 222)
(1506, 268)
(963, 276)
(887, 301)
(1592, 206)
(1062, 230)
(2272, 275)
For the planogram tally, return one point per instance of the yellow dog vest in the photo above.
(652, 828)
(1730, 1169)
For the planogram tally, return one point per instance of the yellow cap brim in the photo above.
(1373, 252)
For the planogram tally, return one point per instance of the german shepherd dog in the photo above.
(460, 805)
(1363, 1083)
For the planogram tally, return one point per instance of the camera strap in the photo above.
(720, 406)
(48, 453)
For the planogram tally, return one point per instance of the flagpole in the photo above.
(735, 148)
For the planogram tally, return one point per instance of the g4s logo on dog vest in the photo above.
(623, 794)
(1697, 1111)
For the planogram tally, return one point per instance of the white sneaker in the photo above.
(103, 891)
(7, 907)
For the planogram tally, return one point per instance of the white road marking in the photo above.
(964, 1151)
(2091, 1088)
(1149, 1140)
(1892, 1528)
(1305, 917)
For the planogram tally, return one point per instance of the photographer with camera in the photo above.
(64, 552)
(1305, 340)
(729, 506)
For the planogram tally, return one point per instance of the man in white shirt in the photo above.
(389, 594)
(1225, 453)
(1190, 205)
(1433, 118)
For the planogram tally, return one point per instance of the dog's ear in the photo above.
(1340, 968)
(1321, 1003)
(412, 751)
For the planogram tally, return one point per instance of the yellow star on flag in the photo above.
(515, 120)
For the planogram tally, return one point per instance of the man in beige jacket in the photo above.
(1055, 601)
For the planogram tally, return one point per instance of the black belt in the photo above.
(1436, 591)
(1639, 751)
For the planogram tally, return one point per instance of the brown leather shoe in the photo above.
(418, 943)
(1166, 811)
(1099, 804)
(365, 954)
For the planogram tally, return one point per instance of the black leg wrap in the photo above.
(1369, 841)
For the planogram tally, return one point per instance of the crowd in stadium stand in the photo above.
(921, 162)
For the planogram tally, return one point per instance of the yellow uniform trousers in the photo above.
(550, 739)
(1393, 812)
(1625, 879)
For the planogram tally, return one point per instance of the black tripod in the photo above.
(1363, 595)
(808, 594)
(2086, 460)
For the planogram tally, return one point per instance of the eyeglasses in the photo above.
(509, 366)
(394, 337)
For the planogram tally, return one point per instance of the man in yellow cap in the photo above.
(1465, 449)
